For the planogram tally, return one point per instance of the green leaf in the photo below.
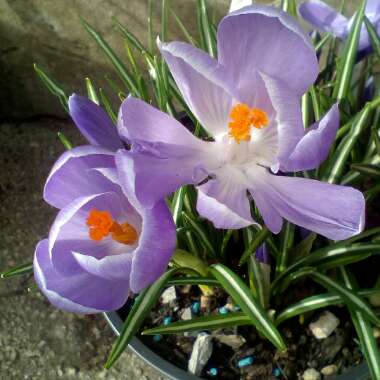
(107, 105)
(91, 92)
(17, 271)
(183, 28)
(177, 204)
(317, 302)
(199, 232)
(260, 280)
(258, 239)
(367, 169)
(322, 42)
(65, 141)
(52, 86)
(348, 56)
(210, 322)
(376, 139)
(206, 28)
(141, 308)
(348, 295)
(131, 38)
(364, 330)
(121, 69)
(242, 296)
(194, 281)
(373, 36)
(304, 247)
(345, 147)
(289, 6)
(330, 257)
(287, 238)
(185, 259)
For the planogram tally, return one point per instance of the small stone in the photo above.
(205, 302)
(329, 370)
(277, 372)
(186, 314)
(231, 340)
(311, 374)
(169, 295)
(325, 325)
(376, 332)
(212, 372)
(201, 353)
(157, 338)
(223, 310)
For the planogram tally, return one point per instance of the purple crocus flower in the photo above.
(249, 102)
(103, 244)
(327, 19)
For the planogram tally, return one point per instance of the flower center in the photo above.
(243, 118)
(101, 224)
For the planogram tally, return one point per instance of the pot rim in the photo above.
(360, 372)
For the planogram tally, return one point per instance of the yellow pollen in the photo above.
(101, 224)
(243, 118)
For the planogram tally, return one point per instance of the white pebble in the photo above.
(231, 340)
(325, 325)
(186, 314)
(201, 353)
(311, 374)
(329, 370)
(169, 295)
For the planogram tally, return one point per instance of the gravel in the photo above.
(38, 341)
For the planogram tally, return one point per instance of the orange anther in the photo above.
(100, 224)
(243, 118)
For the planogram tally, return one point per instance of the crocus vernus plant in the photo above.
(327, 19)
(250, 106)
(243, 166)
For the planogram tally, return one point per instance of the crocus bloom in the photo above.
(103, 244)
(327, 19)
(249, 102)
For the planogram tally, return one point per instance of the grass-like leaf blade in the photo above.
(242, 296)
(141, 308)
(348, 56)
(17, 270)
(210, 322)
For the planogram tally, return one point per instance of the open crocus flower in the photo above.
(327, 19)
(249, 102)
(103, 244)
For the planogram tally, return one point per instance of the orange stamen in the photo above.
(101, 224)
(243, 118)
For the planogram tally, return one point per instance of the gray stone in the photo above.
(231, 340)
(311, 374)
(324, 325)
(201, 353)
(186, 314)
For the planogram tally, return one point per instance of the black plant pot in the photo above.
(360, 372)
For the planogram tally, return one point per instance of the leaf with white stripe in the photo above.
(242, 296)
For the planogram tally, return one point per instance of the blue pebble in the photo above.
(196, 307)
(237, 308)
(277, 372)
(167, 321)
(157, 338)
(212, 372)
(223, 310)
(245, 362)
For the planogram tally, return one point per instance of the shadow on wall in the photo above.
(50, 34)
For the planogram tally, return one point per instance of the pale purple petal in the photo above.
(93, 122)
(224, 202)
(160, 169)
(288, 116)
(140, 121)
(69, 233)
(262, 254)
(72, 175)
(203, 83)
(79, 293)
(156, 246)
(336, 212)
(324, 17)
(314, 147)
(373, 8)
(265, 39)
